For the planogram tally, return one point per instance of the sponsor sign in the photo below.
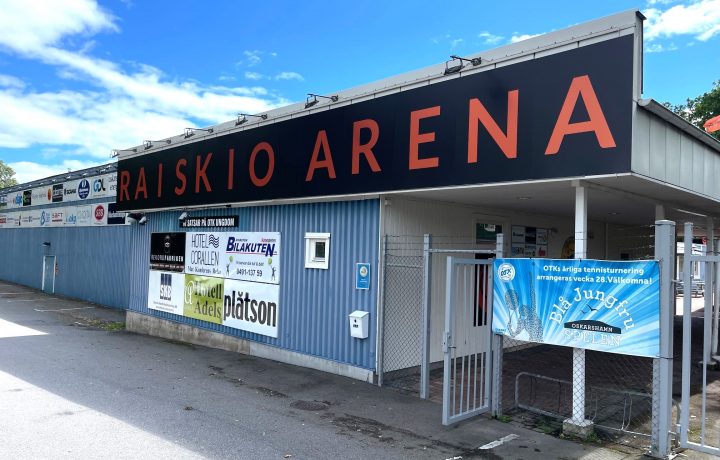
(252, 256)
(167, 252)
(564, 115)
(166, 292)
(114, 217)
(100, 214)
(209, 222)
(57, 193)
(83, 189)
(251, 307)
(27, 198)
(57, 217)
(203, 253)
(203, 298)
(597, 305)
(3, 201)
(85, 215)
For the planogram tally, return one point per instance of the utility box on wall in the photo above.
(359, 324)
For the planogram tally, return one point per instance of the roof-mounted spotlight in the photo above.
(312, 99)
(149, 144)
(189, 132)
(242, 118)
(183, 216)
(116, 152)
(456, 63)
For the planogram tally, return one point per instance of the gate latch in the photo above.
(446, 342)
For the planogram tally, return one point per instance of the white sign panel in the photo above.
(100, 214)
(252, 256)
(165, 292)
(85, 215)
(251, 307)
(202, 253)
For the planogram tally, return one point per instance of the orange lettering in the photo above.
(200, 173)
(181, 176)
(506, 142)
(315, 163)
(141, 185)
(580, 86)
(267, 148)
(124, 184)
(365, 149)
(417, 138)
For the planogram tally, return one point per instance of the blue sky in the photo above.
(81, 77)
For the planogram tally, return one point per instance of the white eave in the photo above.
(679, 122)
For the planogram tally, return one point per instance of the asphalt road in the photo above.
(72, 387)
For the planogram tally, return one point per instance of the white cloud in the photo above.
(27, 171)
(659, 48)
(29, 25)
(489, 39)
(254, 75)
(519, 38)
(699, 19)
(455, 42)
(8, 81)
(289, 76)
(252, 58)
(126, 104)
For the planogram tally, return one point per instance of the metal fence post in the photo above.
(381, 317)
(687, 322)
(427, 283)
(663, 365)
(497, 348)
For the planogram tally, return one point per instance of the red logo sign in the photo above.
(99, 213)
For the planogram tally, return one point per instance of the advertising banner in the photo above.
(252, 256)
(167, 252)
(100, 214)
(166, 292)
(251, 307)
(203, 298)
(596, 305)
(202, 253)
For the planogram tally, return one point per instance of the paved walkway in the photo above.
(74, 384)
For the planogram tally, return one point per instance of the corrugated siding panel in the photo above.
(93, 262)
(314, 303)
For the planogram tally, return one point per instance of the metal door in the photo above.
(48, 277)
(467, 339)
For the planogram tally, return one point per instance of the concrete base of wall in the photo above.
(159, 327)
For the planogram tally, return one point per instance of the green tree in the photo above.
(699, 110)
(7, 175)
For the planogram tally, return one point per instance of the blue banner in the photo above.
(592, 304)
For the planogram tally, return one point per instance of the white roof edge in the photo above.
(654, 107)
(609, 25)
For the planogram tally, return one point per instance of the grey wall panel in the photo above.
(314, 303)
(640, 162)
(93, 262)
(672, 155)
(658, 142)
(686, 162)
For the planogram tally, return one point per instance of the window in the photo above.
(317, 250)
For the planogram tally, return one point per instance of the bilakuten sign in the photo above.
(562, 115)
(598, 305)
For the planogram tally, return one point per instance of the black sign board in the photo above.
(27, 198)
(57, 193)
(115, 217)
(167, 252)
(209, 222)
(563, 115)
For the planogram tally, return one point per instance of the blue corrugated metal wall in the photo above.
(93, 262)
(314, 303)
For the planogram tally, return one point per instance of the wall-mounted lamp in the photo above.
(183, 216)
(137, 218)
(189, 132)
(143, 220)
(312, 99)
(116, 152)
(149, 144)
(242, 118)
(456, 63)
(46, 244)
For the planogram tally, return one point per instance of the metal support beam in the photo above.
(710, 299)
(663, 366)
(687, 322)
(427, 283)
(497, 348)
(577, 424)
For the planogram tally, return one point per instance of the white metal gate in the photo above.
(467, 339)
(699, 419)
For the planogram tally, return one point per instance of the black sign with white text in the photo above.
(563, 115)
(167, 252)
(209, 222)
